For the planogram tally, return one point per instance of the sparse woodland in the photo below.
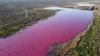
(13, 18)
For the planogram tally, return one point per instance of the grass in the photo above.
(9, 30)
(87, 45)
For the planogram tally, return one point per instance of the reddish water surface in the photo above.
(35, 40)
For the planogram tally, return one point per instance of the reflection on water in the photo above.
(54, 8)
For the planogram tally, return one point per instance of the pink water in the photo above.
(35, 40)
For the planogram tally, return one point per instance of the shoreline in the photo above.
(23, 27)
(89, 43)
(73, 43)
(6, 32)
(60, 49)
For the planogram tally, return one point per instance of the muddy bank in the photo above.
(61, 49)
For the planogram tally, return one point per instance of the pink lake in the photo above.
(36, 40)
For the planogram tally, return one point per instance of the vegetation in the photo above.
(13, 18)
(89, 44)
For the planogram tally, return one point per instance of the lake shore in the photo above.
(85, 43)
(12, 28)
(89, 43)
(61, 49)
